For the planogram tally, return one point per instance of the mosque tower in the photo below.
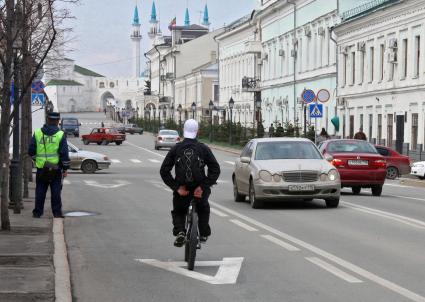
(186, 18)
(136, 37)
(153, 31)
(206, 19)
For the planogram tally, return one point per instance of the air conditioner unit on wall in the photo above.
(361, 46)
(392, 43)
(392, 57)
(307, 31)
(343, 50)
(293, 53)
(321, 31)
(281, 52)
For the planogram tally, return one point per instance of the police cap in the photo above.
(54, 116)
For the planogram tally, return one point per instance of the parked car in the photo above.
(103, 136)
(133, 128)
(418, 169)
(166, 139)
(277, 169)
(359, 164)
(397, 164)
(70, 125)
(87, 161)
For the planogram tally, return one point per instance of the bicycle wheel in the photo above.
(193, 242)
(186, 245)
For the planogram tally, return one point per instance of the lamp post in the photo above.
(258, 108)
(172, 112)
(231, 104)
(154, 120)
(193, 110)
(211, 108)
(179, 109)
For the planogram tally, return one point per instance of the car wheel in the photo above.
(140, 133)
(236, 196)
(156, 148)
(98, 143)
(104, 142)
(89, 166)
(356, 190)
(332, 202)
(392, 173)
(118, 143)
(76, 135)
(255, 203)
(421, 177)
(377, 190)
(85, 142)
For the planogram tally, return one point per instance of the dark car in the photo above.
(120, 129)
(359, 164)
(397, 164)
(132, 129)
(70, 125)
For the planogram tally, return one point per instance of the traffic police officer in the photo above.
(49, 148)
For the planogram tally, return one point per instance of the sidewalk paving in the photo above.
(26, 257)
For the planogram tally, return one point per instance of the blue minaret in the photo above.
(153, 13)
(136, 37)
(136, 20)
(206, 19)
(186, 18)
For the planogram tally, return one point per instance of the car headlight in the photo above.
(277, 178)
(333, 175)
(265, 176)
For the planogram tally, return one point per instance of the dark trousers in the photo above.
(180, 207)
(55, 191)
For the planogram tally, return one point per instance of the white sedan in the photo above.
(87, 161)
(418, 169)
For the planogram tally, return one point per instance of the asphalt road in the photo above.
(368, 249)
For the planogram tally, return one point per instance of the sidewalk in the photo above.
(27, 270)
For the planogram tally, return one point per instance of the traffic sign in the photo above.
(323, 95)
(308, 96)
(38, 99)
(37, 87)
(316, 110)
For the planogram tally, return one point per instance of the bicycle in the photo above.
(192, 236)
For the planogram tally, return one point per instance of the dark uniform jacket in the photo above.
(49, 130)
(213, 167)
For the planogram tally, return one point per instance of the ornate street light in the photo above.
(193, 109)
(231, 105)
(211, 108)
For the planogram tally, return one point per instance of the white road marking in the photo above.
(407, 197)
(347, 265)
(136, 161)
(227, 273)
(399, 218)
(147, 150)
(116, 161)
(66, 182)
(119, 183)
(397, 186)
(163, 187)
(154, 161)
(243, 225)
(218, 213)
(333, 270)
(223, 181)
(229, 162)
(281, 243)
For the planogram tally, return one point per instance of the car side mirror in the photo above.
(245, 160)
(329, 157)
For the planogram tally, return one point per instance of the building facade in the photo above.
(381, 74)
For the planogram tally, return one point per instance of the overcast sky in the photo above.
(102, 28)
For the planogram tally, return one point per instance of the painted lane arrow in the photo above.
(227, 273)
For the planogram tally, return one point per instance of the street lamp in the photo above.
(193, 109)
(258, 107)
(231, 104)
(211, 108)
(179, 109)
(172, 112)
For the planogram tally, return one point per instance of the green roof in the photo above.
(63, 83)
(87, 72)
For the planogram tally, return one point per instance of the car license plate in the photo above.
(358, 162)
(298, 188)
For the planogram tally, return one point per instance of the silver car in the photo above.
(166, 139)
(277, 169)
(87, 161)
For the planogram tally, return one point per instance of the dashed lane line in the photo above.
(154, 161)
(229, 162)
(281, 243)
(115, 161)
(333, 270)
(136, 161)
(144, 149)
(218, 213)
(243, 225)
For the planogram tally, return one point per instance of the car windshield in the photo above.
(286, 150)
(70, 122)
(111, 131)
(351, 147)
(71, 146)
(168, 132)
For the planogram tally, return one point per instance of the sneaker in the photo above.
(203, 239)
(180, 239)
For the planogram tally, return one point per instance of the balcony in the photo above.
(253, 47)
(250, 84)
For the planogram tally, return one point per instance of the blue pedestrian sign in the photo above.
(38, 99)
(316, 110)
(308, 96)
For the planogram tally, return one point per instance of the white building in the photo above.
(382, 72)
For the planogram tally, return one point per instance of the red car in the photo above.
(103, 136)
(397, 164)
(359, 164)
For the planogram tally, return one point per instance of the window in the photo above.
(101, 85)
(390, 125)
(371, 63)
(381, 66)
(417, 54)
(414, 131)
(404, 58)
(361, 121)
(344, 71)
(379, 135)
(370, 125)
(362, 63)
(216, 93)
(383, 151)
(353, 68)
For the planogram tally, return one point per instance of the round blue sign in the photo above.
(308, 96)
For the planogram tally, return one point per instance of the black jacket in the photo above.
(49, 130)
(208, 157)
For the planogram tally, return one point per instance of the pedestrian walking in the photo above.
(271, 131)
(323, 136)
(49, 149)
(102, 124)
(360, 135)
(279, 130)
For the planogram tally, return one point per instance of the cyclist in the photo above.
(189, 159)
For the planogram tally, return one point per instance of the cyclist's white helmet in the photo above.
(190, 129)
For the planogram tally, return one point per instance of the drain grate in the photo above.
(80, 214)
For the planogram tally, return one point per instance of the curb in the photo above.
(60, 260)
(215, 147)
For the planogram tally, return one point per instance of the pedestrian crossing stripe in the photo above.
(154, 160)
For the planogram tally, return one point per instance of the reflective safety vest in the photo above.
(47, 148)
